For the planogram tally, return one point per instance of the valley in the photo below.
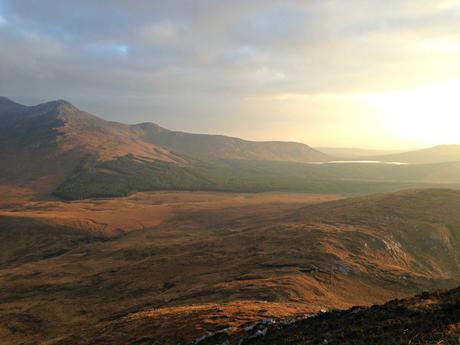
(56, 150)
(135, 234)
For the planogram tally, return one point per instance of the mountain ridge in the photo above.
(151, 128)
(54, 148)
(45, 144)
(42, 145)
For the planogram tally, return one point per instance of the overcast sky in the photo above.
(356, 73)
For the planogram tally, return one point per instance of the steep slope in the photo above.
(426, 319)
(41, 146)
(437, 154)
(209, 147)
(9, 110)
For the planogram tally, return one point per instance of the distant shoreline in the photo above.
(360, 162)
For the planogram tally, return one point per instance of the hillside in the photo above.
(44, 145)
(212, 261)
(54, 148)
(41, 146)
(437, 154)
(426, 319)
(209, 147)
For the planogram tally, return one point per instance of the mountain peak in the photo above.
(6, 102)
(59, 104)
(150, 126)
(4, 99)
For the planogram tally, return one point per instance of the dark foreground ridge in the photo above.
(429, 318)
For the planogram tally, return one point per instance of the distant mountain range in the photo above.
(45, 144)
(437, 154)
(354, 153)
(56, 148)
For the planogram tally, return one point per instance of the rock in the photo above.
(249, 328)
(200, 339)
(261, 333)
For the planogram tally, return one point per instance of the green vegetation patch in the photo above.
(127, 175)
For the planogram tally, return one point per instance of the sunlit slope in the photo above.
(419, 229)
(426, 319)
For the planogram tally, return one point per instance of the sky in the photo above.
(355, 73)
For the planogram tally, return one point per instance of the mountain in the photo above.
(354, 153)
(44, 145)
(437, 154)
(206, 147)
(54, 148)
(40, 146)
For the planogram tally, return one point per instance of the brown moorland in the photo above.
(426, 319)
(167, 268)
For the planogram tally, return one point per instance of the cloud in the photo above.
(107, 48)
(2, 15)
(162, 33)
(193, 64)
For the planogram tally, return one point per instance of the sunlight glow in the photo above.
(429, 114)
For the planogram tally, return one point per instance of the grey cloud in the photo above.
(179, 61)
